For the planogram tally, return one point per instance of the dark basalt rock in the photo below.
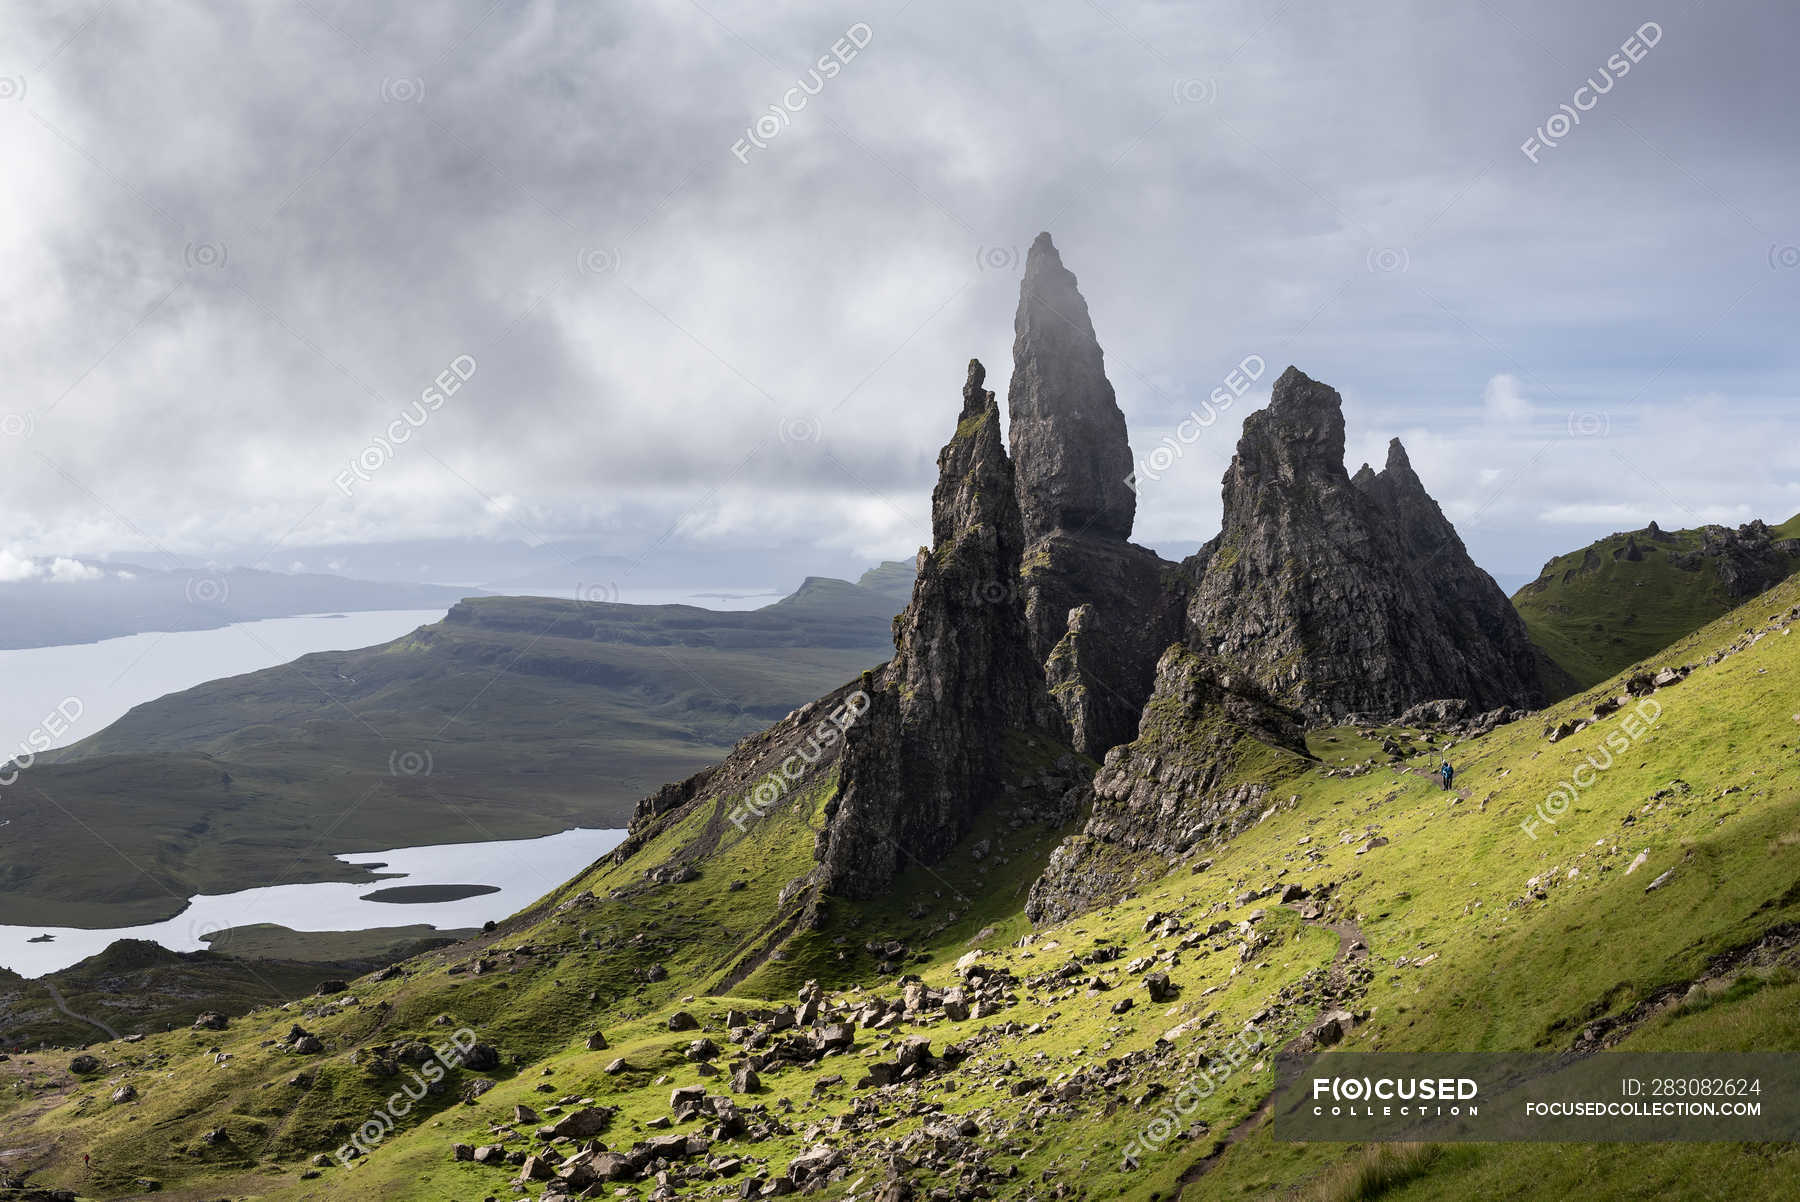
(930, 752)
(1100, 614)
(1211, 748)
(1067, 433)
(1340, 597)
(1073, 460)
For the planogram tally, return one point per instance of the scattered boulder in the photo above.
(1159, 987)
(482, 1058)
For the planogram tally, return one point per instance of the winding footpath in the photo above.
(92, 1022)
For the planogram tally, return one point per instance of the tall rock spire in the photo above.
(930, 753)
(1100, 609)
(1067, 433)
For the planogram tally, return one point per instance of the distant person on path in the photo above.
(1447, 774)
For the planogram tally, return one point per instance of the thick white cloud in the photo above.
(242, 241)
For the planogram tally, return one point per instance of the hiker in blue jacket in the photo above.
(1447, 774)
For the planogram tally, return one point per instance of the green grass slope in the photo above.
(1486, 928)
(1595, 611)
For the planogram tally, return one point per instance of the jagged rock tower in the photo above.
(1034, 614)
(1100, 608)
(929, 754)
(1340, 597)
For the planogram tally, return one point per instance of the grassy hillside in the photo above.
(1462, 931)
(512, 717)
(1595, 611)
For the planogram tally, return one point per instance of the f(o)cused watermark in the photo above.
(409, 763)
(39, 739)
(207, 256)
(598, 260)
(801, 429)
(207, 590)
(1590, 425)
(402, 89)
(399, 1104)
(373, 457)
(1634, 726)
(1169, 1120)
(992, 592)
(1560, 124)
(1196, 91)
(1236, 383)
(1387, 260)
(767, 127)
(996, 258)
(773, 787)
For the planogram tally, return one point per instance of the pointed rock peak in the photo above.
(1304, 424)
(976, 399)
(1398, 476)
(1067, 433)
(1048, 294)
(1397, 459)
(1365, 476)
(975, 487)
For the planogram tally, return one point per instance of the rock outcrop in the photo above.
(1339, 597)
(1036, 626)
(1748, 561)
(1210, 749)
(1100, 613)
(930, 753)
(1100, 609)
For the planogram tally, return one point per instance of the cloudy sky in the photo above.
(242, 239)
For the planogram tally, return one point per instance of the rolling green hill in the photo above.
(512, 717)
(1657, 912)
(1595, 611)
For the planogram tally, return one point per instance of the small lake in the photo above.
(513, 872)
(109, 677)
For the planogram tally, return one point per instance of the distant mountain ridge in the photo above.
(97, 600)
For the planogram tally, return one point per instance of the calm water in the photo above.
(107, 678)
(522, 869)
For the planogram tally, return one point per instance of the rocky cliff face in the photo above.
(1211, 748)
(1340, 597)
(930, 753)
(1100, 609)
